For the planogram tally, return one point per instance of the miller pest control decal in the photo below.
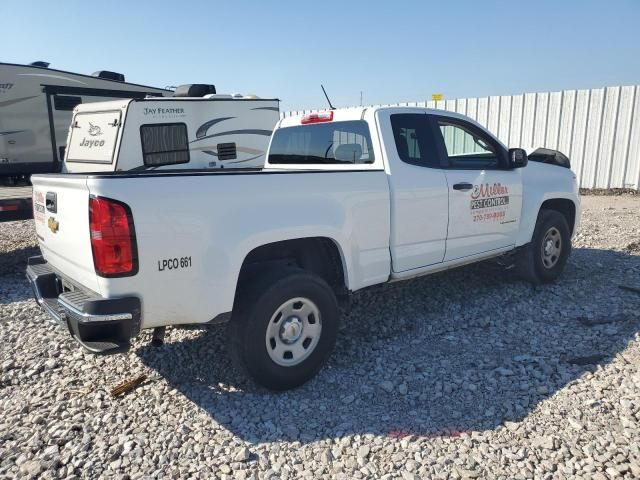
(489, 203)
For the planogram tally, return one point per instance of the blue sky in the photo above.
(391, 51)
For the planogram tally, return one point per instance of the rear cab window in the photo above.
(331, 143)
(414, 140)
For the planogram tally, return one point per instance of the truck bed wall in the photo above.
(217, 219)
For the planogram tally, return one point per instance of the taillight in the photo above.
(113, 239)
(317, 117)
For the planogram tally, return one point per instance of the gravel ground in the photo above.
(464, 374)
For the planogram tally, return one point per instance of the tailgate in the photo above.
(61, 216)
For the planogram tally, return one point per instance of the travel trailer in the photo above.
(192, 129)
(36, 105)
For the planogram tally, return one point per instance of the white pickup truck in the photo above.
(347, 199)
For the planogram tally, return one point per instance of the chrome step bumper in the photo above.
(100, 325)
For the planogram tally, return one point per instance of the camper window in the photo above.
(66, 102)
(164, 144)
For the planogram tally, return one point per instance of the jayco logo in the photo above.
(5, 86)
(94, 130)
(91, 143)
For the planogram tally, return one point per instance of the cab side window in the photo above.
(468, 148)
(414, 139)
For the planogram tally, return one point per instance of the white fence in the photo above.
(598, 129)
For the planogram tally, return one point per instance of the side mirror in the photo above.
(517, 158)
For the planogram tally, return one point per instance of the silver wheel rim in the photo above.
(551, 247)
(293, 332)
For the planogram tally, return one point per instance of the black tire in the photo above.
(257, 302)
(533, 265)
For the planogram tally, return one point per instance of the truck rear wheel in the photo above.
(284, 327)
(544, 259)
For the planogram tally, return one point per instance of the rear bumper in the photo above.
(98, 324)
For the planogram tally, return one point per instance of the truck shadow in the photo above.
(14, 262)
(14, 286)
(459, 351)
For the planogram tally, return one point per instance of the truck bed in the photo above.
(206, 223)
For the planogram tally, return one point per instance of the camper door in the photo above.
(93, 137)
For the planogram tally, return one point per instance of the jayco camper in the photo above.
(193, 129)
(36, 103)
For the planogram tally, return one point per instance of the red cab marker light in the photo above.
(317, 117)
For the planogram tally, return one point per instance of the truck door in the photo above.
(485, 195)
(418, 189)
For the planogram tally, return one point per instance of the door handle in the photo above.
(463, 187)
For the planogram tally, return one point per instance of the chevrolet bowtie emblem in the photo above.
(53, 225)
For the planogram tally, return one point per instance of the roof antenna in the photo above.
(331, 107)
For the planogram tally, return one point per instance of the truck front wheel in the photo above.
(543, 260)
(284, 327)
